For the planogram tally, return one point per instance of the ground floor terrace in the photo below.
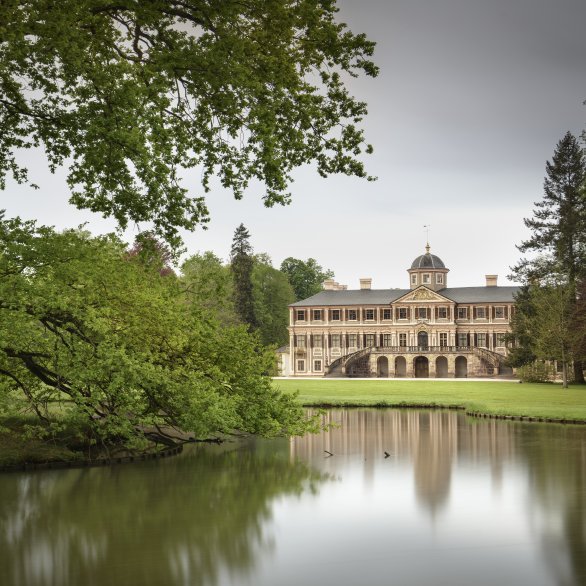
(418, 362)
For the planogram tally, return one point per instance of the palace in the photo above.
(428, 331)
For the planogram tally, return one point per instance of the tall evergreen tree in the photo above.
(558, 224)
(242, 263)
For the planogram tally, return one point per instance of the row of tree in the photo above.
(550, 319)
(249, 290)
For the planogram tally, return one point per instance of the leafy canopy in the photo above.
(306, 277)
(129, 94)
(122, 348)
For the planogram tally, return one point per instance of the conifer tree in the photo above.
(558, 225)
(242, 263)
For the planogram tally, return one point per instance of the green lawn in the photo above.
(497, 398)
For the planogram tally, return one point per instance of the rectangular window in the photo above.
(402, 340)
(335, 340)
(300, 341)
(300, 315)
(414, 279)
(317, 341)
(480, 313)
(462, 313)
(426, 278)
(463, 340)
(386, 340)
(352, 315)
(335, 315)
(369, 340)
(481, 340)
(500, 340)
(499, 312)
(443, 340)
(402, 313)
(439, 279)
(442, 312)
(369, 314)
(317, 365)
(386, 314)
(352, 340)
(317, 315)
(421, 312)
(300, 365)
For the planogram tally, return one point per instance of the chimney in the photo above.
(365, 283)
(329, 285)
(491, 280)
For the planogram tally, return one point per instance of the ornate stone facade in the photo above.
(429, 330)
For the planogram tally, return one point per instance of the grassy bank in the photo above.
(494, 398)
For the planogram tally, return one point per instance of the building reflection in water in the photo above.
(432, 441)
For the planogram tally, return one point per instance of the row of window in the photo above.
(403, 313)
(426, 279)
(385, 340)
(301, 365)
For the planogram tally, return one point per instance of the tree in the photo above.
(114, 343)
(306, 277)
(127, 94)
(209, 284)
(520, 340)
(154, 253)
(242, 262)
(272, 293)
(552, 332)
(558, 225)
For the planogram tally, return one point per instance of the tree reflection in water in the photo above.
(185, 520)
(556, 456)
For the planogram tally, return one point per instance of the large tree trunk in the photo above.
(564, 375)
(579, 372)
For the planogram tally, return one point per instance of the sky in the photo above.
(471, 100)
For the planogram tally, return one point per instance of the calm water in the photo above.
(457, 502)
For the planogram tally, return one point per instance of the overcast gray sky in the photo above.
(472, 98)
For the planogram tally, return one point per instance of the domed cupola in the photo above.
(429, 270)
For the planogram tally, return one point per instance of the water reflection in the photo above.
(457, 501)
(185, 520)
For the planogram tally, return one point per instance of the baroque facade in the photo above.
(429, 330)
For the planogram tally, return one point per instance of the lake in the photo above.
(457, 501)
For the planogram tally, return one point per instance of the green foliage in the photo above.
(536, 372)
(520, 340)
(86, 326)
(209, 285)
(558, 224)
(126, 94)
(272, 294)
(306, 277)
(558, 229)
(241, 265)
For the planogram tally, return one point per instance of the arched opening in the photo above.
(423, 340)
(421, 367)
(441, 367)
(461, 367)
(400, 366)
(382, 367)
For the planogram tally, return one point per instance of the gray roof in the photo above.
(386, 296)
(428, 261)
